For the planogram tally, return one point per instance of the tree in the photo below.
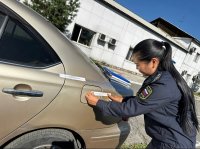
(59, 12)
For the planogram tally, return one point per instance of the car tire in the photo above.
(44, 139)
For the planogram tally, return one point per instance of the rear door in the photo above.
(29, 74)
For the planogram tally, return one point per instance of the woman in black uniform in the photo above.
(165, 99)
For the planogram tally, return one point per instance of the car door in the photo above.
(29, 74)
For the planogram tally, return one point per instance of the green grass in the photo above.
(197, 93)
(134, 146)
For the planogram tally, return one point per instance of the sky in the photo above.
(184, 14)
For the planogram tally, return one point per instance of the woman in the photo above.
(165, 99)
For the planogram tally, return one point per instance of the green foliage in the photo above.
(59, 12)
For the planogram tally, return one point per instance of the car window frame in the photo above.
(11, 14)
(4, 23)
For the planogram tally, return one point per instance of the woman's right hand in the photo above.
(116, 98)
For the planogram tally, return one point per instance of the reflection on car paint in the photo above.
(72, 77)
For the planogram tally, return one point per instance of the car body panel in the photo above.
(17, 110)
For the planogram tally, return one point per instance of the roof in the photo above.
(144, 23)
(172, 30)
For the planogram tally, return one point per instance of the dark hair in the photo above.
(150, 48)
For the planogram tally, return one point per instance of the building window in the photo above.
(196, 58)
(82, 35)
(130, 53)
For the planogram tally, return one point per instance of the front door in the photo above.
(29, 74)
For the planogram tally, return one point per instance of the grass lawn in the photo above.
(134, 146)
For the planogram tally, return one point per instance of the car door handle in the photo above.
(32, 93)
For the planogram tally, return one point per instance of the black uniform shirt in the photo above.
(158, 100)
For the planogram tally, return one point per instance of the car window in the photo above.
(2, 17)
(20, 46)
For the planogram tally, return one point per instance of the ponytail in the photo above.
(163, 51)
(187, 102)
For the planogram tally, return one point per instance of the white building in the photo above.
(106, 31)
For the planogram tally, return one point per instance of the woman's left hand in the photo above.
(91, 98)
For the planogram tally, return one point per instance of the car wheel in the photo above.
(45, 139)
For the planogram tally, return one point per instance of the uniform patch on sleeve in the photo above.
(145, 93)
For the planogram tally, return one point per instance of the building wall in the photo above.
(183, 41)
(102, 19)
(191, 63)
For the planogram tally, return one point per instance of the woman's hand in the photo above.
(91, 99)
(116, 98)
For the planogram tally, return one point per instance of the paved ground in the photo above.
(137, 134)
